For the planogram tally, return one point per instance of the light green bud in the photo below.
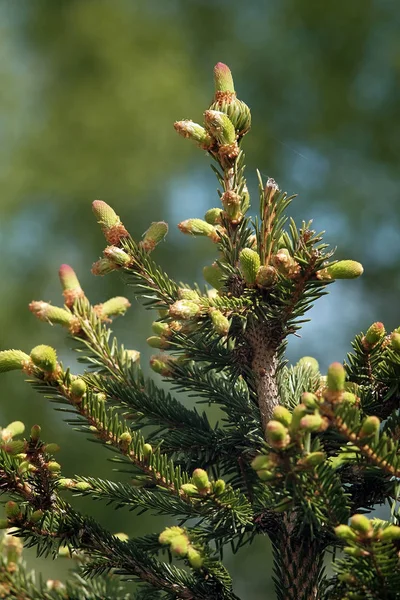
(189, 489)
(249, 261)
(277, 435)
(313, 459)
(194, 557)
(83, 486)
(179, 545)
(184, 309)
(213, 275)
(220, 127)
(370, 426)
(311, 423)
(53, 314)
(147, 450)
(51, 448)
(262, 461)
(11, 360)
(113, 307)
(154, 341)
(310, 400)
(12, 510)
(344, 532)
(199, 227)
(169, 534)
(200, 479)
(190, 130)
(118, 256)
(154, 235)
(53, 466)
(15, 428)
(374, 334)
(219, 487)
(160, 327)
(392, 532)
(344, 269)
(110, 222)
(395, 341)
(283, 415)
(220, 322)
(213, 216)
(361, 524)
(336, 377)
(104, 266)
(45, 358)
(78, 387)
(310, 363)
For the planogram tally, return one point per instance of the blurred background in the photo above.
(89, 93)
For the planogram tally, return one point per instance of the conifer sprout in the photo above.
(299, 455)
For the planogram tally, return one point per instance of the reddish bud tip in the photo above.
(70, 284)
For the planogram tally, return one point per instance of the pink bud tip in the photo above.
(70, 284)
(223, 78)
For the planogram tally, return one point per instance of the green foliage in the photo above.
(294, 454)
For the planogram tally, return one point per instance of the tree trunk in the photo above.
(298, 562)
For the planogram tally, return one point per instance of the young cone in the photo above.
(72, 290)
(111, 225)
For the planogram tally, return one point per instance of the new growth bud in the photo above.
(161, 364)
(231, 201)
(201, 481)
(311, 423)
(13, 429)
(155, 341)
(197, 133)
(285, 263)
(283, 415)
(117, 256)
(266, 276)
(199, 227)
(103, 266)
(12, 510)
(374, 334)
(336, 377)
(395, 341)
(213, 216)
(184, 309)
(72, 290)
(223, 79)
(112, 308)
(310, 363)
(225, 100)
(220, 322)
(344, 269)
(361, 524)
(110, 222)
(54, 315)
(220, 127)
(11, 360)
(78, 388)
(35, 433)
(153, 236)
(45, 358)
(249, 261)
(194, 557)
(370, 426)
(277, 435)
(213, 275)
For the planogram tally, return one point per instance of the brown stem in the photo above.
(264, 364)
(300, 561)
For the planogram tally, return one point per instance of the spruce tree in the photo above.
(300, 457)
